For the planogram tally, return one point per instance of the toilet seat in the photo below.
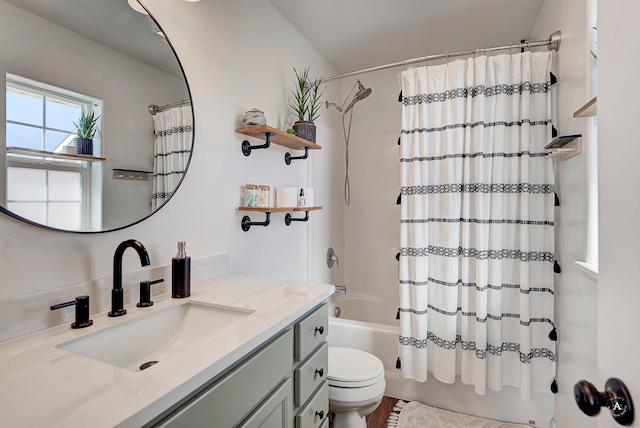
(353, 368)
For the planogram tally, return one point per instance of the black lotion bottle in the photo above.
(181, 273)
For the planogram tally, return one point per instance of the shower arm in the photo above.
(361, 94)
(340, 107)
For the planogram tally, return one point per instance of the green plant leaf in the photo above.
(86, 127)
(304, 102)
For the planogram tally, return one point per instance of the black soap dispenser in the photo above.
(181, 273)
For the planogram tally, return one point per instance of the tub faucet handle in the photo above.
(331, 258)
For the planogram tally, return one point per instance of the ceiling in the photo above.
(111, 23)
(357, 34)
(350, 34)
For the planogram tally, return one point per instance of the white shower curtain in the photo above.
(173, 130)
(477, 215)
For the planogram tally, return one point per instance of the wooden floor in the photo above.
(378, 419)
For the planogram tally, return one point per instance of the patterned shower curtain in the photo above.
(173, 130)
(477, 216)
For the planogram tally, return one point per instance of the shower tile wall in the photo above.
(372, 219)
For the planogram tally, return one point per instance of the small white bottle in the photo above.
(301, 201)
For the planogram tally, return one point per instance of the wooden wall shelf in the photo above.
(278, 209)
(565, 147)
(587, 110)
(276, 136)
(246, 222)
(43, 153)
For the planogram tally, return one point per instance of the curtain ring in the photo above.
(404, 68)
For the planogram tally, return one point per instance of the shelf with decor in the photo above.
(276, 136)
(589, 109)
(246, 222)
(565, 147)
(53, 155)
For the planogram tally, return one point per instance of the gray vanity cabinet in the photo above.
(310, 370)
(275, 412)
(281, 385)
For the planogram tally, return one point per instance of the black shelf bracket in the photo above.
(246, 222)
(288, 158)
(247, 147)
(288, 219)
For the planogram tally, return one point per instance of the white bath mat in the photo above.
(416, 415)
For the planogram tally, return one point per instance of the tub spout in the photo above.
(341, 289)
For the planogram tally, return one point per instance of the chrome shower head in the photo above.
(360, 95)
(362, 92)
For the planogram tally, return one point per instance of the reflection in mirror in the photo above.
(107, 61)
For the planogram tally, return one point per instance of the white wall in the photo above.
(237, 55)
(619, 175)
(575, 300)
(372, 220)
(125, 85)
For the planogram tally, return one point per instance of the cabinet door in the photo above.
(229, 400)
(275, 412)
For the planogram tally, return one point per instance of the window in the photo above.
(50, 190)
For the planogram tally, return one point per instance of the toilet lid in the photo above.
(353, 366)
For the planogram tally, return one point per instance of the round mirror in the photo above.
(98, 123)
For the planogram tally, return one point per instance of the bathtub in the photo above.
(381, 340)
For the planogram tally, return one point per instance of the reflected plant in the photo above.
(86, 126)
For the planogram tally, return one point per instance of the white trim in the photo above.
(589, 272)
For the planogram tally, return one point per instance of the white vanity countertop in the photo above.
(43, 386)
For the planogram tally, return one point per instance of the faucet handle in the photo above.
(332, 258)
(145, 293)
(82, 311)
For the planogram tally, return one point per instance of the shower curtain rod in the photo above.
(552, 43)
(153, 109)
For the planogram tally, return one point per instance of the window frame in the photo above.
(84, 168)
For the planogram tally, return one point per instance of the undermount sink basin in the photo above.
(137, 344)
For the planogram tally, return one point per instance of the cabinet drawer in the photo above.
(316, 411)
(311, 331)
(228, 401)
(311, 374)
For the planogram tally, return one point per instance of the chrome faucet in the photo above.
(117, 295)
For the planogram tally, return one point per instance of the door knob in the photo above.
(616, 398)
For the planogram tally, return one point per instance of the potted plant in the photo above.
(86, 128)
(305, 104)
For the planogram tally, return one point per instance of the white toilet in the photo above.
(356, 386)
